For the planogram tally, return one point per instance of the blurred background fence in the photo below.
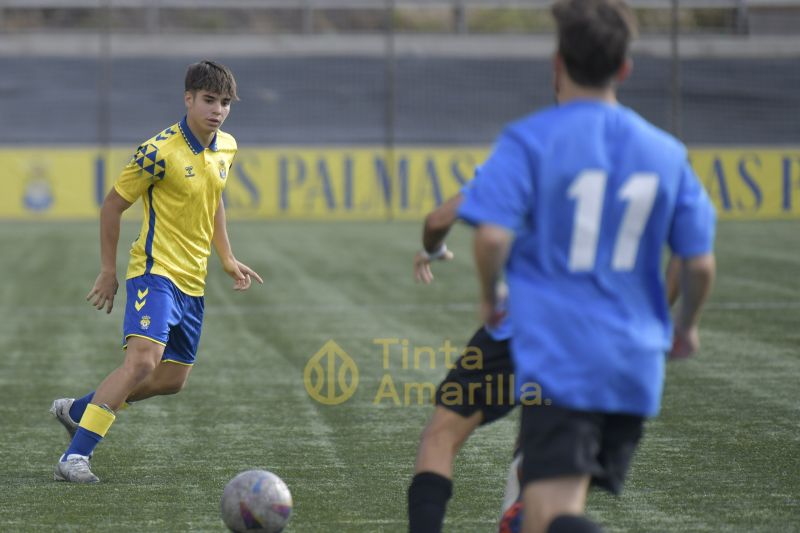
(350, 84)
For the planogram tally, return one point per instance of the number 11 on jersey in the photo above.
(588, 191)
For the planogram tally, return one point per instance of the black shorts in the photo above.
(560, 442)
(481, 380)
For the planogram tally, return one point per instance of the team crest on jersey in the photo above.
(144, 322)
(189, 172)
(223, 172)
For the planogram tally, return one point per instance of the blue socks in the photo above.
(79, 406)
(83, 443)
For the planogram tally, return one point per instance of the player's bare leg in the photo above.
(432, 486)
(548, 499)
(441, 439)
(167, 378)
(141, 359)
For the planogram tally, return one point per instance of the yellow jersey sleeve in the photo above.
(145, 168)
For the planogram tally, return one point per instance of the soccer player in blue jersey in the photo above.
(577, 203)
(453, 422)
(179, 174)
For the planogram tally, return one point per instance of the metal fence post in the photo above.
(459, 17)
(742, 22)
(675, 72)
(308, 17)
(152, 16)
(104, 88)
(389, 109)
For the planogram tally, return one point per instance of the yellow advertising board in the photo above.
(750, 183)
(361, 183)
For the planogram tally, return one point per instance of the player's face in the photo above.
(206, 110)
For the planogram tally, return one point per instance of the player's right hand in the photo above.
(685, 342)
(103, 292)
(422, 266)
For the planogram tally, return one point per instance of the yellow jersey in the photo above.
(180, 183)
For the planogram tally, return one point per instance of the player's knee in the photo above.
(141, 360)
(140, 368)
(442, 435)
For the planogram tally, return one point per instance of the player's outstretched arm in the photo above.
(242, 274)
(697, 277)
(492, 246)
(106, 285)
(437, 226)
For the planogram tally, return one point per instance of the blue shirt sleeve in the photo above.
(502, 192)
(694, 222)
(468, 185)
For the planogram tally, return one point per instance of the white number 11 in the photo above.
(588, 190)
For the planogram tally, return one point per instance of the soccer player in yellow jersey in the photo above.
(179, 174)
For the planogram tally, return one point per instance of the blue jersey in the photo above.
(593, 193)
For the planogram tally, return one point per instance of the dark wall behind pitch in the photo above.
(343, 100)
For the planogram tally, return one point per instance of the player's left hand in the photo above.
(242, 275)
(422, 265)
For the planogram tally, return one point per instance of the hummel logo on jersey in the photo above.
(139, 303)
(189, 173)
(166, 134)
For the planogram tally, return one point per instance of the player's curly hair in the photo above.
(593, 38)
(211, 76)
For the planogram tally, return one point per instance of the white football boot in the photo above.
(74, 470)
(60, 410)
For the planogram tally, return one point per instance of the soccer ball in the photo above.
(256, 500)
